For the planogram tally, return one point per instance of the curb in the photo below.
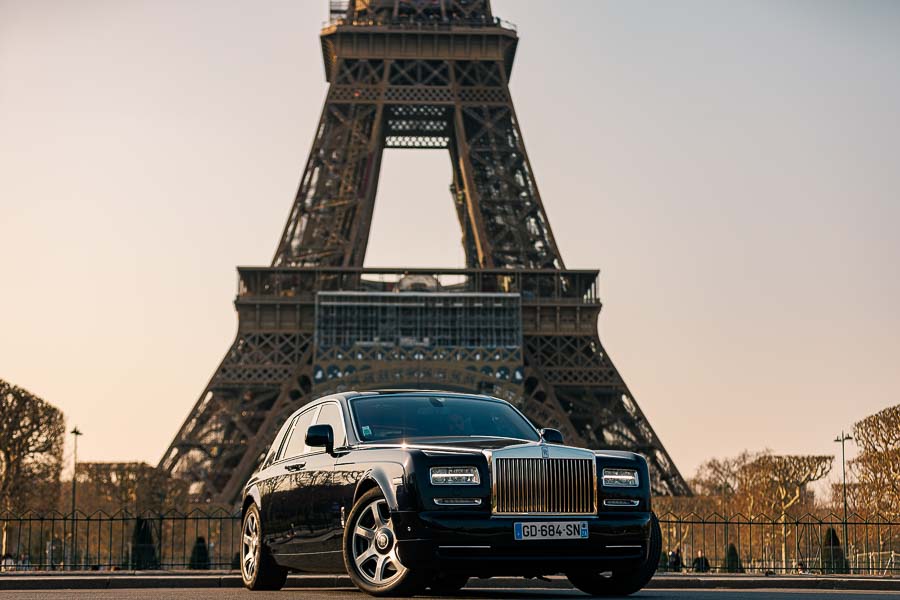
(140, 581)
(783, 582)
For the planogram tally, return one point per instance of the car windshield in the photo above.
(415, 415)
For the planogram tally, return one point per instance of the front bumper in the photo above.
(481, 544)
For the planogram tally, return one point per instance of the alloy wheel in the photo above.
(374, 545)
(250, 547)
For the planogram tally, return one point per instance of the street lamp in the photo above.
(75, 434)
(842, 439)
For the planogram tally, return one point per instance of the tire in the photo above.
(447, 583)
(259, 571)
(622, 583)
(370, 551)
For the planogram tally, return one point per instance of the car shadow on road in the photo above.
(520, 594)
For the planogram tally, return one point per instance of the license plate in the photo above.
(551, 530)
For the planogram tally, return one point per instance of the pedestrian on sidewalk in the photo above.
(7, 563)
(701, 563)
(675, 560)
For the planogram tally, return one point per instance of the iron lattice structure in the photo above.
(419, 74)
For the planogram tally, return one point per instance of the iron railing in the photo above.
(772, 545)
(211, 540)
(121, 541)
(534, 285)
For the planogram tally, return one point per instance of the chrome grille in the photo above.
(561, 486)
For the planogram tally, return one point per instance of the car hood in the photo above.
(461, 443)
(476, 444)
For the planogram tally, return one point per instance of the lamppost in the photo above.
(842, 439)
(75, 434)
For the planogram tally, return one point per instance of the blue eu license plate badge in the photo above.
(551, 530)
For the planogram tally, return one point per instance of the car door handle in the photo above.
(295, 467)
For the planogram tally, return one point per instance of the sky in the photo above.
(731, 167)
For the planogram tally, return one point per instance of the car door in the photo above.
(332, 497)
(270, 481)
(280, 515)
(310, 498)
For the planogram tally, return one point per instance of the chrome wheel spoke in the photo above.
(364, 557)
(365, 532)
(376, 513)
(394, 562)
(379, 568)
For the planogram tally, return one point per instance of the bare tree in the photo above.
(31, 445)
(133, 486)
(877, 467)
(730, 482)
(784, 480)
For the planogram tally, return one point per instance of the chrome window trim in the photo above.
(287, 437)
(343, 419)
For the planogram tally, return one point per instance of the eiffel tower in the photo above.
(515, 323)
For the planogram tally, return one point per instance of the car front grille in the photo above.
(556, 486)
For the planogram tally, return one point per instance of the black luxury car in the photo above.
(413, 490)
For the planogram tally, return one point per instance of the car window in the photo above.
(275, 450)
(331, 415)
(296, 444)
(408, 416)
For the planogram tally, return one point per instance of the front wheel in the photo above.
(370, 550)
(622, 583)
(258, 569)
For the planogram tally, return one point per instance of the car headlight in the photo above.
(620, 478)
(455, 476)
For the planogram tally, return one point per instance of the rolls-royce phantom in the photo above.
(413, 490)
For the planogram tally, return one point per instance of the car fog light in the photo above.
(621, 503)
(620, 478)
(458, 501)
(455, 476)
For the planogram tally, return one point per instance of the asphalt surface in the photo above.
(466, 594)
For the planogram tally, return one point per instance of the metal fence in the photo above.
(211, 540)
(822, 545)
(121, 541)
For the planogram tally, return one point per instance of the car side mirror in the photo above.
(552, 436)
(321, 435)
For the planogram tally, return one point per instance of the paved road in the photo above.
(467, 594)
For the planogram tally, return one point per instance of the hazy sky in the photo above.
(732, 167)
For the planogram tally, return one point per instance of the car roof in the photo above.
(349, 395)
(417, 392)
